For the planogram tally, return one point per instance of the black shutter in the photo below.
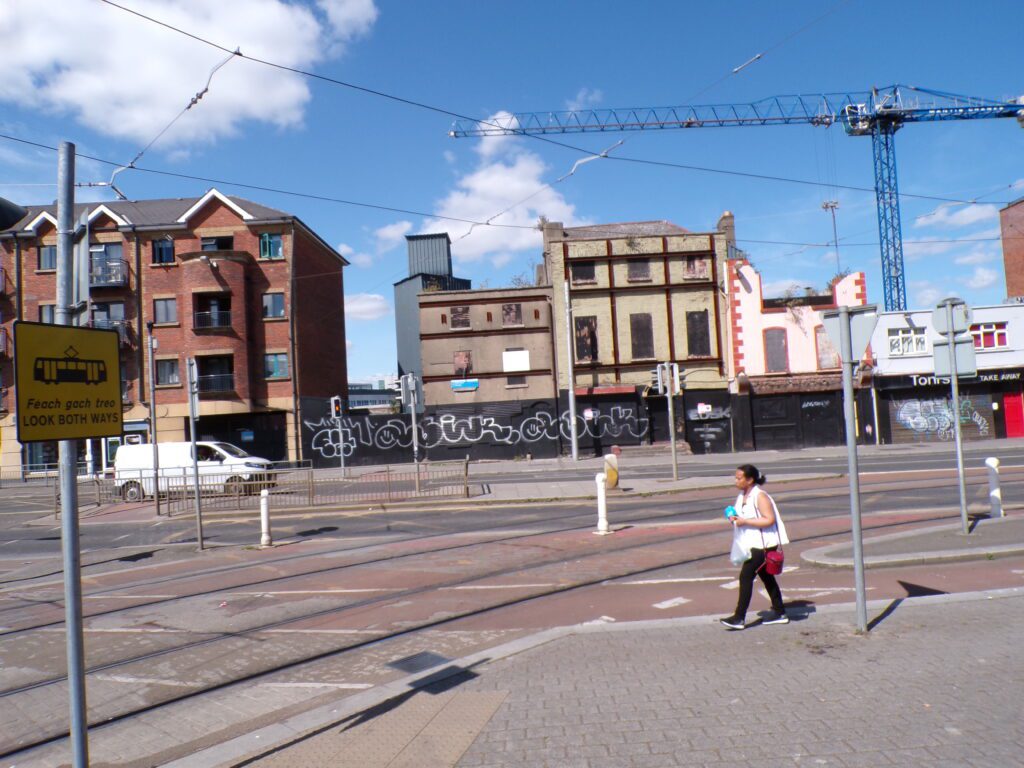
(641, 336)
(698, 335)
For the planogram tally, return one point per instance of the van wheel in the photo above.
(234, 486)
(131, 492)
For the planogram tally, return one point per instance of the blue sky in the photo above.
(84, 71)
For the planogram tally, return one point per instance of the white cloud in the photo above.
(954, 216)
(366, 306)
(586, 98)
(982, 278)
(345, 249)
(490, 146)
(126, 77)
(363, 260)
(926, 294)
(977, 256)
(496, 184)
(390, 236)
(449, 157)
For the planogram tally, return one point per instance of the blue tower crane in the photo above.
(878, 113)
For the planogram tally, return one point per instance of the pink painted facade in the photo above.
(782, 338)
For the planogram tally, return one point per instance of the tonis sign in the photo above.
(929, 381)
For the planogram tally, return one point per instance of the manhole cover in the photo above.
(418, 662)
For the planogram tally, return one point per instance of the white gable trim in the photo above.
(213, 193)
(120, 221)
(34, 224)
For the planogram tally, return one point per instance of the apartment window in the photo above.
(827, 355)
(511, 314)
(698, 334)
(47, 256)
(989, 335)
(907, 341)
(163, 251)
(275, 366)
(695, 267)
(514, 361)
(583, 272)
(586, 339)
(775, 352)
(641, 336)
(47, 313)
(167, 372)
(165, 310)
(271, 246)
(460, 317)
(462, 363)
(273, 305)
(639, 270)
(226, 243)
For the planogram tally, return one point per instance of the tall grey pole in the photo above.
(152, 415)
(193, 394)
(570, 370)
(671, 387)
(68, 454)
(955, 387)
(851, 451)
(414, 400)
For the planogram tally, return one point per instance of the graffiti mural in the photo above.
(389, 438)
(931, 419)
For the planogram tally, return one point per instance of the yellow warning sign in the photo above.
(68, 380)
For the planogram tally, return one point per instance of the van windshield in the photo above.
(231, 450)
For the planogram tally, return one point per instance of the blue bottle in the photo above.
(730, 511)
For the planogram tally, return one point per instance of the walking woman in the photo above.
(757, 528)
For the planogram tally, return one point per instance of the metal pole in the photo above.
(152, 415)
(415, 431)
(602, 505)
(265, 538)
(571, 373)
(851, 451)
(995, 494)
(830, 206)
(68, 450)
(671, 417)
(341, 443)
(954, 385)
(193, 392)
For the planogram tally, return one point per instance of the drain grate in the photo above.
(418, 662)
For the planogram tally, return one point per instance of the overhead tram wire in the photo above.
(459, 116)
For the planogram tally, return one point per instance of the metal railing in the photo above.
(216, 382)
(122, 327)
(104, 274)
(215, 319)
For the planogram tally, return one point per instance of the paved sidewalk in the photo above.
(935, 682)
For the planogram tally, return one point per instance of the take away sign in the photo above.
(68, 380)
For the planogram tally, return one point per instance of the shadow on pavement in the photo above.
(912, 590)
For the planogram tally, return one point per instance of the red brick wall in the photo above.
(1011, 219)
(322, 364)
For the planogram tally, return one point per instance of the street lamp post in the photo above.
(571, 373)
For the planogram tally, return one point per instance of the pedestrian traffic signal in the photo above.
(336, 407)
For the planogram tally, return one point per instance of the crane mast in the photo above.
(878, 113)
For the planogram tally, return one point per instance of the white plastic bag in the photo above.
(739, 554)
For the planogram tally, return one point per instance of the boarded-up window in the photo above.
(586, 339)
(641, 336)
(827, 355)
(639, 270)
(462, 362)
(775, 354)
(516, 359)
(460, 317)
(698, 334)
(511, 314)
(695, 267)
(583, 272)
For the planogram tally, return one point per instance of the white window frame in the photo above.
(907, 341)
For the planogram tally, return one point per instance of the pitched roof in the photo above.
(148, 213)
(625, 229)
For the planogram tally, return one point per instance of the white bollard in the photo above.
(265, 540)
(602, 506)
(995, 493)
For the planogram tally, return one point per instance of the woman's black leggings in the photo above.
(751, 568)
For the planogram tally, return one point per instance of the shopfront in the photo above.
(918, 408)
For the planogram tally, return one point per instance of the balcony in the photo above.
(216, 382)
(108, 274)
(209, 320)
(121, 326)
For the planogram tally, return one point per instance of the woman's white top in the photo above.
(750, 538)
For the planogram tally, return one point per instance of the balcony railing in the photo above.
(108, 274)
(216, 319)
(121, 326)
(216, 382)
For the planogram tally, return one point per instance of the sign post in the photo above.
(951, 318)
(850, 329)
(193, 416)
(668, 385)
(410, 390)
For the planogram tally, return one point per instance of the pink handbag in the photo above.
(774, 560)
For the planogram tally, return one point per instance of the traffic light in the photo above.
(336, 407)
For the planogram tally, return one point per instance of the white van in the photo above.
(222, 466)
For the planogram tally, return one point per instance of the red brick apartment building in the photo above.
(1011, 221)
(252, 293)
